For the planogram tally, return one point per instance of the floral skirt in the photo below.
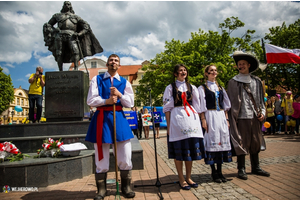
(186, 150)
(218, 157)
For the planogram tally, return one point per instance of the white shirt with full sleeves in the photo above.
(182, 126)
(94, 100)
(217, 137)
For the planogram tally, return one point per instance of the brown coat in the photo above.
(235, 95)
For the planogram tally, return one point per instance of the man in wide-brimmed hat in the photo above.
(246, 115)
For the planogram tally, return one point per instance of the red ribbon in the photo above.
(99, 130)
(185, 102)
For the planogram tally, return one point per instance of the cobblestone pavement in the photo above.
(281, 159)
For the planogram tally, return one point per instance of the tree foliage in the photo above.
(6, 91)
(203, 48)
(286, 76)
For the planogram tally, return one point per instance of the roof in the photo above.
(126, 70)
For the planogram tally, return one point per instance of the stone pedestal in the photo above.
(65, 96)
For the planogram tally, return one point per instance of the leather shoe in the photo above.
(193, 185)
(216, 178)
(185, 187)
(223, 179)
(242, 174)
(260, 172)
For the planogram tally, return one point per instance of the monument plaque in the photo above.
(65, 96)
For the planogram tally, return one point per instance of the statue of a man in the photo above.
(72, 39)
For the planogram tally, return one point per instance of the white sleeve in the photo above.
(93, 98)
(202, 99)
(226, 101)
(168, 100)
(196, 100)
(127, 99)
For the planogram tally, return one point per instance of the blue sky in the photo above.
(135, 30)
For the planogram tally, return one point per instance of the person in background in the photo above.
(214, 106)
(270, 116)
(146, 128)
(35, 95)
(184, 132)
(296, 115)
(246, 115)
(288, 110)
(156, 125)
(140, 123)
(135, 131)
(278, 110)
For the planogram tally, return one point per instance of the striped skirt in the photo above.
(186, 150)
(218, 157)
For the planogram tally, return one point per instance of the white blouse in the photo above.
(168, 99)
(94, 100)
(213, 87)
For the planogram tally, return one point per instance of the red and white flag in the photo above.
(281, 55)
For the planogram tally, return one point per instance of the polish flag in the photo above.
(281, 55)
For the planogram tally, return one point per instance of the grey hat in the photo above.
(239, 55)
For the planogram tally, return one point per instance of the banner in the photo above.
(281, 55)
(157, 117)
(162, 115)
(147, 120)
(131, 118)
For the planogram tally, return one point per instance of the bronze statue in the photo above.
(72, 39)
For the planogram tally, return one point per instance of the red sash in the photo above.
(185, 102)
(99, 129)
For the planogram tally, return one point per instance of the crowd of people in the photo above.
(283, 114)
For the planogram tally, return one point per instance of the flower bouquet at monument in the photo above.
(9, 151)
(51, 148)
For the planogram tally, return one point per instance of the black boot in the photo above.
(101, 185)
(214, 174)
(241, 167)
(219, 170)
(255, 168)
(125, 184)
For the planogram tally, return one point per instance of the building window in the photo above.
(126, 77)
(101, 73)
(22, 102)
(93, 64)
(18, 101)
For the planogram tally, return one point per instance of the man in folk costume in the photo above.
(105, 90)
(246, 115)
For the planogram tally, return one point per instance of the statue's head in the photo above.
(67, 7)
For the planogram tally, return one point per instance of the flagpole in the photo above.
(265, 62)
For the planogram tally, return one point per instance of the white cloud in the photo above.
(5, 70)
(15, 57)
(27, 75)
(48, 63)
(9, 65)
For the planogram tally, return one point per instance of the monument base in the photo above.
(66, 95)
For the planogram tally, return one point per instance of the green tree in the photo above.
(286, 76)
(203, 48)
(6, 91)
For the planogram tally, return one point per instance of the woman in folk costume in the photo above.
(214, 106)
(185, 137)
